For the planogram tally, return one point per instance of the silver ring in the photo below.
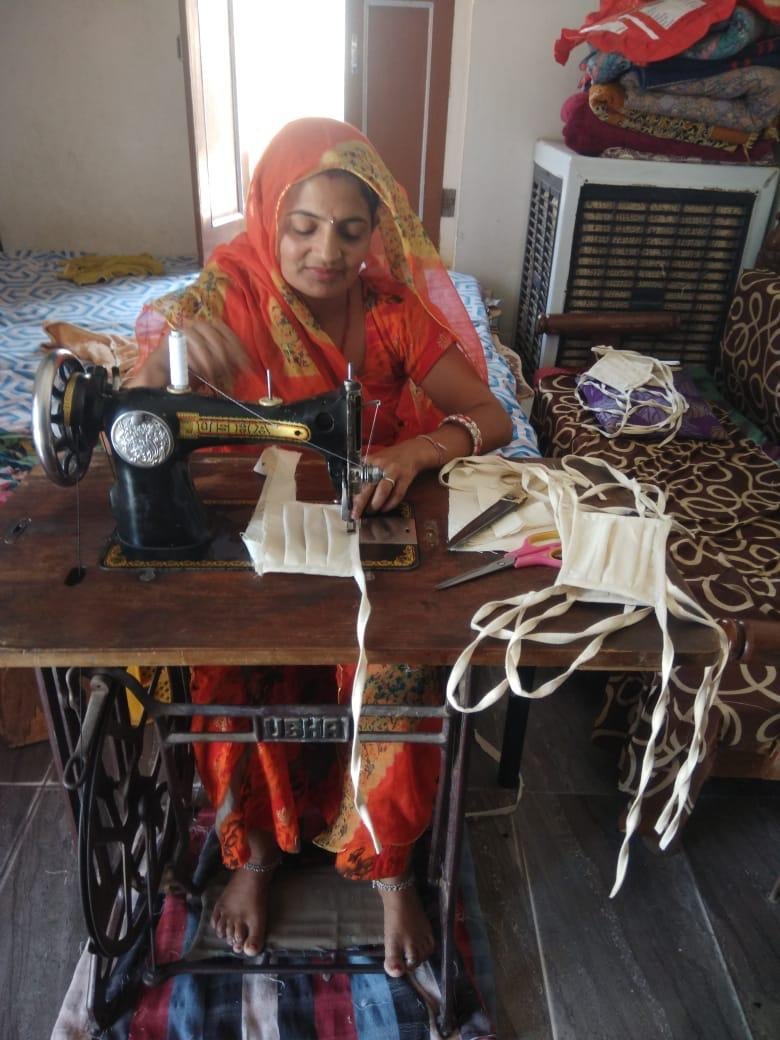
(410, 962)
(389, 479)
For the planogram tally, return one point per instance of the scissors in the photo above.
(503, 507)
(542, 549)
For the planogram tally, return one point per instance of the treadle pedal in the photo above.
(312, 908)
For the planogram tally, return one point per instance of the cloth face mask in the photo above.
(310, 538)
(611, 554)
(623, 370)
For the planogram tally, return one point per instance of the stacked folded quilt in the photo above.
(715, 99)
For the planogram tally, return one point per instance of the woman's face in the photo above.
(324, 234)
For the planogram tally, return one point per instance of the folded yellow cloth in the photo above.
(86, 270)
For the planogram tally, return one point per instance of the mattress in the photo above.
(500, 378)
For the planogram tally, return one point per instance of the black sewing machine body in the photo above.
(152, 433)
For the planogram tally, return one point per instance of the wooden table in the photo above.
(231, 617)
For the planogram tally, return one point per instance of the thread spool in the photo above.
(177, 359)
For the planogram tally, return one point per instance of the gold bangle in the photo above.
(441, 451)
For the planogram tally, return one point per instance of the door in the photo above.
(397, 90)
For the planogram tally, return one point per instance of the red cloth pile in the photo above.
(677, 79)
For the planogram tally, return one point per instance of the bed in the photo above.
(31, 292)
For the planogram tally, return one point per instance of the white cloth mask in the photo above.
(611, 554)
(623, 370)
(617, 559)
(311, 538)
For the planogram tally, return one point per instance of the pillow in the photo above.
(698, 423)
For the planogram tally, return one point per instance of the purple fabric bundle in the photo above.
(698, 423)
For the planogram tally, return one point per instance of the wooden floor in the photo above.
(690, 948)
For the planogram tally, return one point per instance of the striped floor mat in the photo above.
(297, 1007)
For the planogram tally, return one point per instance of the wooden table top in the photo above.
(190, 617)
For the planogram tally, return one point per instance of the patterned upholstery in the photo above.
(750, 352)
(726, 495)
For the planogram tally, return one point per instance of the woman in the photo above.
(333, 270)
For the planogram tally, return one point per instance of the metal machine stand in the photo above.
(129, 779)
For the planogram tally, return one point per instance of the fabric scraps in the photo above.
(111, 350)
(89, 269)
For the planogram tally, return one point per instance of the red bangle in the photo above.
(470, 427)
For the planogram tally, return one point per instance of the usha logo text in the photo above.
(202, 427)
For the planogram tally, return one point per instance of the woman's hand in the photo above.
(214, 352)
(400, 463)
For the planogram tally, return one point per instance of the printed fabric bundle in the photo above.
(630, 393)
(689, 76)
(611, 554)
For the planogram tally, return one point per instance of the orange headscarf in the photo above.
(243, 283)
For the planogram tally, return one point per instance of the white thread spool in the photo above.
(177, 359)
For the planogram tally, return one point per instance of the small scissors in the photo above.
(542, 549)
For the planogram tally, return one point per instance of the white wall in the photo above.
(513, 94)
(93, 146)
(93, 134)
(94, 152)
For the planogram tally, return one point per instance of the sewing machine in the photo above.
(152, 433)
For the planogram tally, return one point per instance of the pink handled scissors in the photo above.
(542, 549)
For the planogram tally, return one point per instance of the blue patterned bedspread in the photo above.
(500, 378)
(31, 293)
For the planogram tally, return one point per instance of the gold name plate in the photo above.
(194, 427)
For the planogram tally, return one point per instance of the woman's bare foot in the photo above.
(241, 912)
(408, 934)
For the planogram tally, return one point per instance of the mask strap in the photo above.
(683, 606)
(266, 540)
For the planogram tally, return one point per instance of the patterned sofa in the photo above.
(726, 495)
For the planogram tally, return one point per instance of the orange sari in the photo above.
(412, 315)
(243, 285)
